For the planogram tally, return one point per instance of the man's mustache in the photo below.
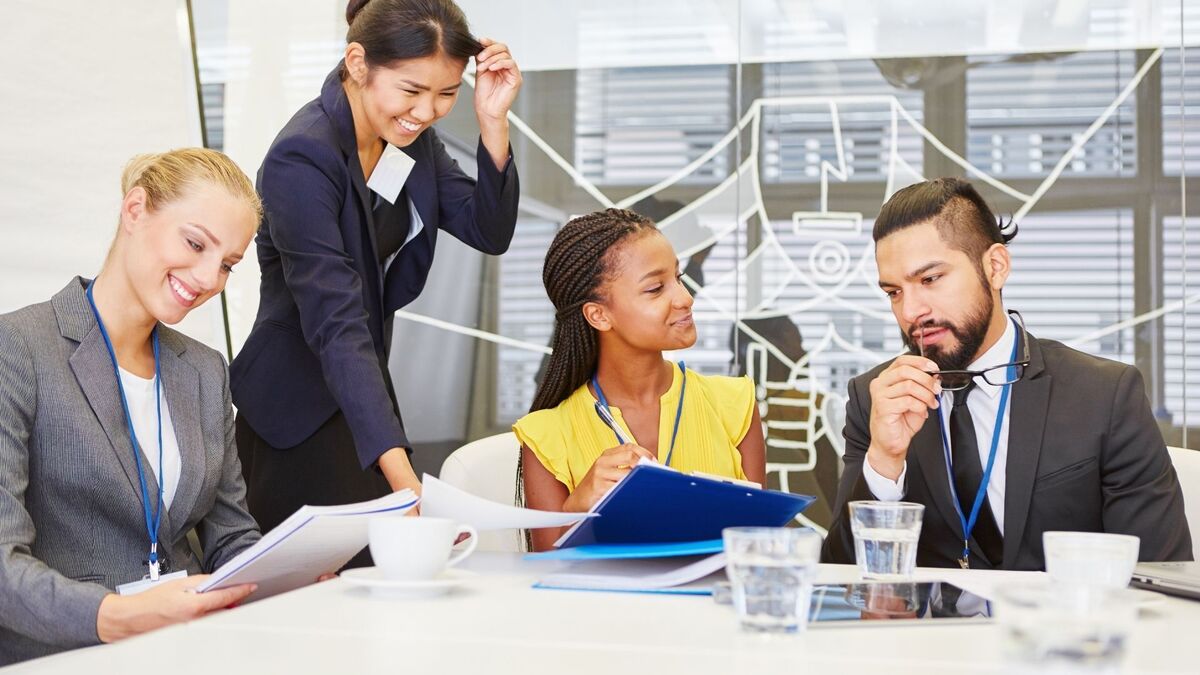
(930, 325)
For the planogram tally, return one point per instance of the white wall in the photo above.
(86, 86)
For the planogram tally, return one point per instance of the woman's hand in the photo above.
(497, 80)
(609, 468)
(400, 475)
(166, 603)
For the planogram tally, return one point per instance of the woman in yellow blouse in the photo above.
(608, 398)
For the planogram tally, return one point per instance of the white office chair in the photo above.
(1187, 466)
(488, 468)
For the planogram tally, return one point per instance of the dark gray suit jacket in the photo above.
(71, 523)
(1084, 454)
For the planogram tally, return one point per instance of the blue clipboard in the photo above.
(656, 505)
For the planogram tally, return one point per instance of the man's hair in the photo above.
(964, 221)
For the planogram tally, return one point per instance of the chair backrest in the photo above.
(488, 468)
(1187, 467)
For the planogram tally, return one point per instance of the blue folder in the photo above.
(657, 505)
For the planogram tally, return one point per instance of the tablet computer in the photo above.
(915, 602)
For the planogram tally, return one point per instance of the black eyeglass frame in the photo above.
(969, 375)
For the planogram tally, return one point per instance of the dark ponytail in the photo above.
(577, 263)
(397, 30)
(353, 9)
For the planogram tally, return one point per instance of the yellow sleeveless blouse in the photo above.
(717, 412)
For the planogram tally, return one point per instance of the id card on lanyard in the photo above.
(135, 587)
(152, 518)
(968, 522)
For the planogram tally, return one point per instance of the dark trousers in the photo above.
(322, 470)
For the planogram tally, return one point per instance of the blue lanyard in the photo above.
(968, 524)
(606, 414)
(152, 522)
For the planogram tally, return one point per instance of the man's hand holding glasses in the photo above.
(903, 395)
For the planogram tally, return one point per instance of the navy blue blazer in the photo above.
(320, 341)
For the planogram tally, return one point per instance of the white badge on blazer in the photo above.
(390, 173)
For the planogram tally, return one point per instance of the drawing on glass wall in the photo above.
(800, 379)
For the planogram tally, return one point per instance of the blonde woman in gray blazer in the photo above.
(73, 521)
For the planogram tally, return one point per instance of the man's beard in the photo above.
(969, 334)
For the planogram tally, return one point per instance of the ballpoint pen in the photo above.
(612, 424)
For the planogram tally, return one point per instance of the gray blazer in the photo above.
(71, 522)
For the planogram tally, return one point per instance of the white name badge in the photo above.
(390, 173)
(135, 587)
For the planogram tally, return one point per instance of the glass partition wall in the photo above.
(764, 136)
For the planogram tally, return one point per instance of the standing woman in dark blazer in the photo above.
(341, 251)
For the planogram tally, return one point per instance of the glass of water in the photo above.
(885, 537)
(771, 570)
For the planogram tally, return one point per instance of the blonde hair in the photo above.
(167, 176)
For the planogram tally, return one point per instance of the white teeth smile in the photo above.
(408, 125)
(181, 290)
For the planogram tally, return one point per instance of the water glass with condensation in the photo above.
(771, 570)
(885, 537)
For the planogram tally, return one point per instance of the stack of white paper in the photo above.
(440, 499)
(645, 575)
(315, 540)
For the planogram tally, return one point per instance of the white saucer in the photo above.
(373, 579)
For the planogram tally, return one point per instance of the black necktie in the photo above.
(968, 474)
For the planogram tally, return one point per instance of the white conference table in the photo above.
(497, 623)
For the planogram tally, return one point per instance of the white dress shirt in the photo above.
(983, 403)
(144, 413)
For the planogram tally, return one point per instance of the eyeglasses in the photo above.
(997, 376)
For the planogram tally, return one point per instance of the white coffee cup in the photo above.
(1091, 558)
(417, 549)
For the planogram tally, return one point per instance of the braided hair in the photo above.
(578, 262)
